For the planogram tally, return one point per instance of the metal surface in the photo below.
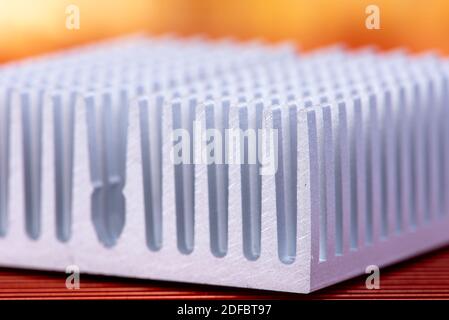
(425, 277)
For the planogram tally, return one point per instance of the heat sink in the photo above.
(220, 162)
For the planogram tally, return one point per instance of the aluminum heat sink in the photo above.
(217, 162)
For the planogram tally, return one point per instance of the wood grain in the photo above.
(425, 277)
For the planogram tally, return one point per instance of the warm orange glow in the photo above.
(32, 26)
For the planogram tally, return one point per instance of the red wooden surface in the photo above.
(425, 277)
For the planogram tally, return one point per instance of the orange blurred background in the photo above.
(29, 27)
